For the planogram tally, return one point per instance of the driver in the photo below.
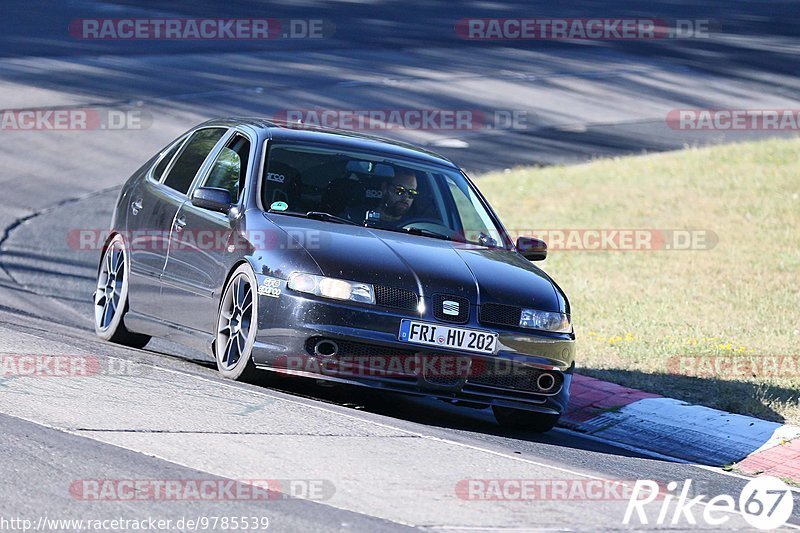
(398, 195)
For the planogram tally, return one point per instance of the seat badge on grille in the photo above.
(449, 307)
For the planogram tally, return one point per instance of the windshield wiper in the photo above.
(484, 240)
(426, 233)
(322, 215)
(317, 215)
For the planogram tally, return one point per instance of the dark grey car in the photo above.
(335, 256)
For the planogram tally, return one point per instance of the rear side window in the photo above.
(191, 158)
(164, 163)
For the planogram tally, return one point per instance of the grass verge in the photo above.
(717, 325)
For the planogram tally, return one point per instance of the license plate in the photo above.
(468, 340)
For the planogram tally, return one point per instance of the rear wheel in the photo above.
(520, 419)
(111, 297)
(237, 323)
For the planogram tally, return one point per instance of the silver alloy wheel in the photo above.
(109, 297)
(235, 325)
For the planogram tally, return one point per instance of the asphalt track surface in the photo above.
(384, 462)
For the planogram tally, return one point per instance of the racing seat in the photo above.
(343, 197)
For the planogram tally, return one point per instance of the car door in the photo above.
(151, 212)
(158, 204)
(199, 258)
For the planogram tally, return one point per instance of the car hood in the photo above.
(424, 265)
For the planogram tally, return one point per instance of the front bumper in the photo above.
(370, 354)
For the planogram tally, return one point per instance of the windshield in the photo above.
(376, 191)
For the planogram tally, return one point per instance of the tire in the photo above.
(111, 297)
(237, 324)
(528, 420)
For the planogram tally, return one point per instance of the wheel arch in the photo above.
(108, 240)
(239, 262)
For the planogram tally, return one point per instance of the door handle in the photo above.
(180, 223)
(136, 206)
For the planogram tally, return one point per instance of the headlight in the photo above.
(337, 289)
(545, 321)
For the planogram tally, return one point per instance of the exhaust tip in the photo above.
(546, 382)
(326, 348)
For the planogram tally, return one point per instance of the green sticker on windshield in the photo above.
(279, 206)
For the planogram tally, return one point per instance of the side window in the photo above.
(164, 163)
(230, 168)
(191, 158)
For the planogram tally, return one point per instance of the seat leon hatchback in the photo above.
(335, 256)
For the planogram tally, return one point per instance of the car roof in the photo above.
(279, 130)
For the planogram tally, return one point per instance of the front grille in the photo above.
(446, 381)
(458, 302)
(505, 315)
(357, 359)
(445, 370)
(360, 349)
(397, 298)
(503, 374)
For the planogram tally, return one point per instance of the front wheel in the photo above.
(520, 419)
(111, 297)
(237, 324)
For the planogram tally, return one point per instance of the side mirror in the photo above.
(532, 249)
(212, 198)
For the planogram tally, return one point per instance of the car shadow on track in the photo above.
(454, 420)
(459, 420)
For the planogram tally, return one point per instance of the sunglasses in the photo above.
(399, 190)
